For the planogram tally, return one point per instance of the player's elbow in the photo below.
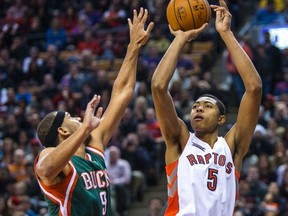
(44, 171)
(157, 85)
(255, 88)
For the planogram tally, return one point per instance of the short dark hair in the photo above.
(44, 128)
(219, 103)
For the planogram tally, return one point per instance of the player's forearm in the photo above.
(127, 75)
(167, 65)
(244, 65)
(55, 161)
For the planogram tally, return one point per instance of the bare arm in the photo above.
(52, 161)
(239, 137)
(173, 129)
(125, 82)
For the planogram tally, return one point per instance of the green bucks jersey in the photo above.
(85, 191)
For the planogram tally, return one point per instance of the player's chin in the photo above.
(198, 126)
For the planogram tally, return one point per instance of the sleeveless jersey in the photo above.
(203, 181)
(85, 191)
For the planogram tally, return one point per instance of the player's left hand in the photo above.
(138, 35)
(223, 17)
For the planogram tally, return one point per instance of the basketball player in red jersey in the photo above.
(202, 168)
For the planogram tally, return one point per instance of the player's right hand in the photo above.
(91, 119)
(138, 35)
(190, 34)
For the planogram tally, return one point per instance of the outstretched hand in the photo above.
(190, 34)
(138, 35)
(92, 120)
(223, 17)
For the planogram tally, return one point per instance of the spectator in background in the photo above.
(12, 128)
(158, 40)
(24, 95)
(53, 64)
(128, 123)
(281, 114)
(103, 83)
(81, 27)
(284, 12)
(266, 170)
(4, 178)
(3, 207)
(7, 150)
(284, 192)
(37, 29)
(153, 125)
(19, 48)
(156, 207)
(69, 19)
(93, 15)
(17, 13)
(232, 70)
(268, 15)
(120, 174)
(74, 79)
(264, 65)
(279, 4)
(260, 142)
(35, 147)
(154, 149)
(89, 43)
(276, 56)
(17, 167)
(56, 34)
(258, 189)
(141, 163)
(114, 16)
(281, 87)
(33, 57)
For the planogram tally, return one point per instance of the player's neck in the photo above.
(81, 151)
(209, 138)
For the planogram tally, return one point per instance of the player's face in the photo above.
(204, 115)
(73, 123)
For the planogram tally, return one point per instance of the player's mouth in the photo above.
(198, 117)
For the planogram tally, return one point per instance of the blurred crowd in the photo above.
(35, 79)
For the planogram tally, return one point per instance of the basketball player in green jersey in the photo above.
(71, 169)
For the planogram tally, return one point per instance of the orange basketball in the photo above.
(188, 14)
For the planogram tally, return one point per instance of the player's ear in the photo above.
(64, 131)
(221, 119)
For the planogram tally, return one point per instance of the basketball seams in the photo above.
(192, 14)
(175, 13)
(188, 14)
(208, 14)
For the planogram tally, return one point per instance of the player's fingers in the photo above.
(150, 27)
(141, 12)
(129, 23)
(223, 4)
(171, 30)
(99, 112)
(202, 28)
(145, 16)
(97, 101)
(134, 14)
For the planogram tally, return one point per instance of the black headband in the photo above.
(52, 134)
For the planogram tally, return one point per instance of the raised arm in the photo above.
(54, 160)
(124, 84)
(172, 128)
(239, 137)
